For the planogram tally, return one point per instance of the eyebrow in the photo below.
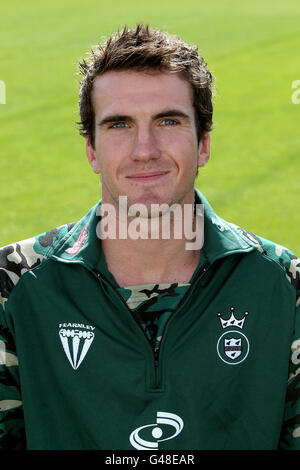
(123, 117)
(114, 118)
(172, 113)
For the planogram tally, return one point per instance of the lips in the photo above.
(148, 176)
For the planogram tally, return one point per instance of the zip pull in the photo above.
(205, 267)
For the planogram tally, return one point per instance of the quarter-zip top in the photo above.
(155, 351)
(79, 372)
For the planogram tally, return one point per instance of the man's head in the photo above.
(146, 113)
(144, 49)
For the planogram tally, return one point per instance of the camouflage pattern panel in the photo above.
(17, 258)
(152, 305)
(46, 242)
(12, 433)
(290, 436)
(289, 262)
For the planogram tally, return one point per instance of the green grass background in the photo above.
(253, 49)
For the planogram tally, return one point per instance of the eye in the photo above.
(119, 125)
(169, 122)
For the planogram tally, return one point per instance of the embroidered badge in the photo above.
(233, 345)
(76, 340)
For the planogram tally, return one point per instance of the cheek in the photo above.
(175, 138)
(184, 151)
(108, 155)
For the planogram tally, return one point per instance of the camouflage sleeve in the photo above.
(290, 264)
(15, 260)
(12, 434)
(290, 436)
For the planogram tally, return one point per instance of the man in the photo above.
(112, 341)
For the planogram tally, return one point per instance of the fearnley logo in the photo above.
(76, 339)
(233, 345)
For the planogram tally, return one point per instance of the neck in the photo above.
(153, 250)
(144, 263)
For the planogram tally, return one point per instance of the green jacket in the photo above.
(77, 370)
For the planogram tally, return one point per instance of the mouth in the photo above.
(147, 177)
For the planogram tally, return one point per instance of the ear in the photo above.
(204, 149)
(91, 155)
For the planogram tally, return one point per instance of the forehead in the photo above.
(118, 91)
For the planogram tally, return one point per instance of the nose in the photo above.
(145, 147)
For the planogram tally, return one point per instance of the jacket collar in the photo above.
(82, 245)
(221, 238)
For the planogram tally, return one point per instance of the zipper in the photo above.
(156, 364)
(155, 352)
(104, 278)
(198, 276)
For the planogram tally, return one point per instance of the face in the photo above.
(146, 145)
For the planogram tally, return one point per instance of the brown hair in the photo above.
(144, 49)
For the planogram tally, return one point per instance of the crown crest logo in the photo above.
(232, 321)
